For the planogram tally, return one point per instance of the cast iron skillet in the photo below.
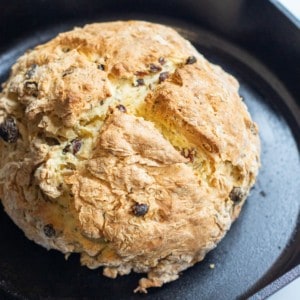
(261, 47)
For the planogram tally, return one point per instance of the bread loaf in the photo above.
(124, 144)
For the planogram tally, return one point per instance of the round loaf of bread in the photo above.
(119, 141)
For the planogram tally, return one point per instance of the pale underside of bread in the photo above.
(120, 114)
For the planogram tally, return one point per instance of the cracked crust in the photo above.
(132, 149)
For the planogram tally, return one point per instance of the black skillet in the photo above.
(257, 43)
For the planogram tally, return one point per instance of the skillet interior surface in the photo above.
(261, 243)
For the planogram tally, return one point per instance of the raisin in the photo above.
(191, 60)
(236, 195)
(30, 72)
(163, 76)
(154, 68)
(67, 149)
(162, 60)
(140, 82)
(76, 145)
(31, 88)
(121, 108)
(140, 209)
(9, 131)
(101, 67)
(49, 231)
(73, 147)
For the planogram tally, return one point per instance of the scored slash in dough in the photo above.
(132, 149)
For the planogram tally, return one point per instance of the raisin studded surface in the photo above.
(140, 82)
(30, 72)
(162, 60)
(191, 60)
(76, 145)
(236, 195)
(140, 209)
(31, 88)
(154, 68)
(67, 149)
(49, 231)
(101, 67)
(163, 76)
(9, 131)
(121, 108)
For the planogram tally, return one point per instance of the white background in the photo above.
(294, 7)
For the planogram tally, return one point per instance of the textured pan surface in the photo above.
(259, 245)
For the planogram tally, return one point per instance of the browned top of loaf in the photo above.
(68, 88)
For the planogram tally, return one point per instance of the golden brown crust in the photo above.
(132, 149)
(210, 117)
